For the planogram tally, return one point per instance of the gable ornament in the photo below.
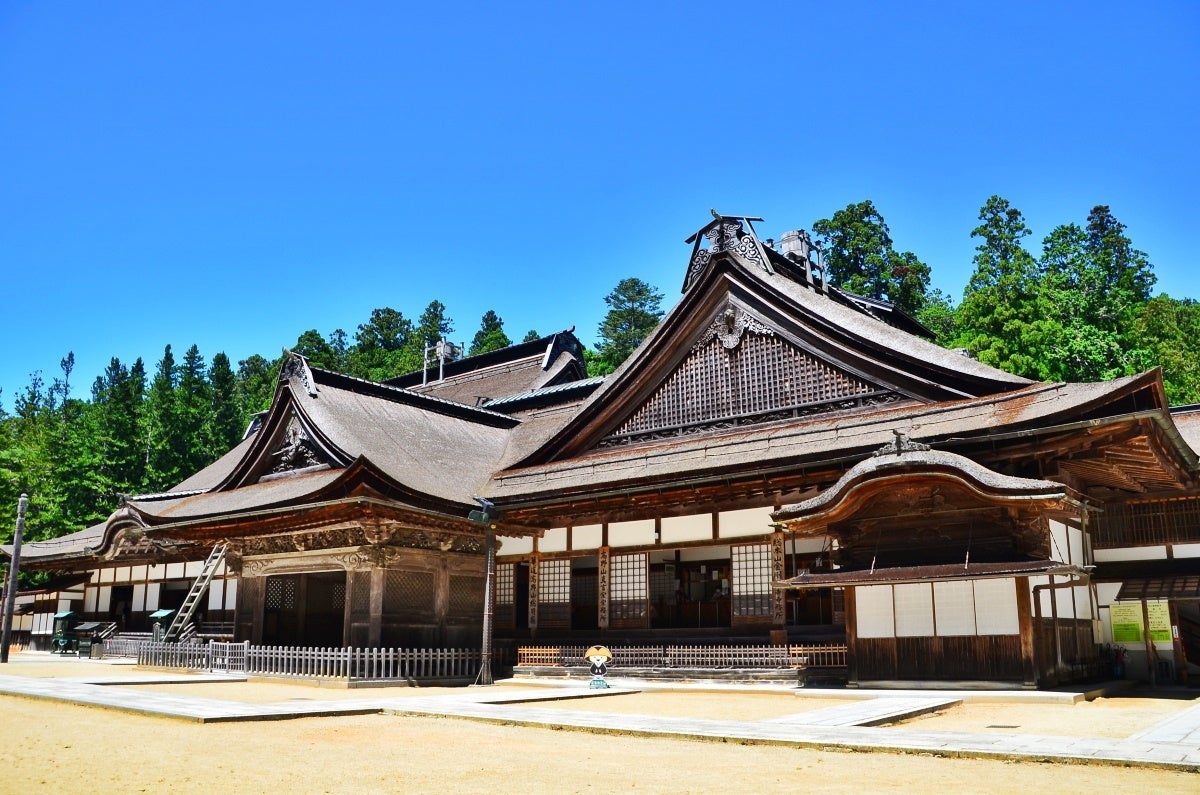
(731, 326)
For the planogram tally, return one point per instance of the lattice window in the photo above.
(466, 597)
(628, 590)
(505, 606)
(408, 592)
(337, 597)
(554, 594)
(763, 379)
(360, 592)
(505, 583)
(1157, 522)
(584, 590)
(281, 593)
(662, 584)
(750, 566)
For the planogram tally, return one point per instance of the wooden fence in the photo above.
(354, 665)
(764, 656)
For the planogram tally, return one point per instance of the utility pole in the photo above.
(10, 590)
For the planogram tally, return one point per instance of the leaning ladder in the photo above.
(199, 588)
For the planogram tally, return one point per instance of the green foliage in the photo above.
(531, 335)
(1001, 320)
(634, 309)
(860, 258)
(1167, 331)
(491, 336)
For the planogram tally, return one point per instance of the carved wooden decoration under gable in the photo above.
(296, 451)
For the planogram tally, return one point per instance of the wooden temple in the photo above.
(779, 460)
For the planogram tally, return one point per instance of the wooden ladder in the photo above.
(199, 588)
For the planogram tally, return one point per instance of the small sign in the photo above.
(1127, 626)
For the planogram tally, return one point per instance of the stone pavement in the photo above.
(868, 712)
(1172, 744)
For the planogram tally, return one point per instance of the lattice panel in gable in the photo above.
(762, 379)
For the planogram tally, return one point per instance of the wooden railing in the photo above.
(355, 665)
(1167, 521)
(831, 655)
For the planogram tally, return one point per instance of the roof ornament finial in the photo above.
(731, 233)
(295, 365)
(901, 444)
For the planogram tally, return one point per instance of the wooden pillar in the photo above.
(375, 633)
(603, 559)
(1151, 649)
(851, 637)
(535, 575)
(1029, 674)
(1181, 666)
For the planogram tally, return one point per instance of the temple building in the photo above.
(779, 460)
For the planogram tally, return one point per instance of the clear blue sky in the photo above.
(231, 174)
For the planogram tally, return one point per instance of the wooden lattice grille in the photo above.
(466, 597)
(762, 379)
(406, 592)
(628, 590)
(554, 594)
(506, 595)
(750, 571)
(1171, 521)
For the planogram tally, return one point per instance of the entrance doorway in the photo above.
(305, 609)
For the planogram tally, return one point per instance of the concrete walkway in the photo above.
(868, 712)
(1172, 744)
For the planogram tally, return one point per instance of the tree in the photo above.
(191, 435)
(634, 309)
(491, 336)
(117, 398)
(859, 257)
(256, 379)
(1002, 318)
(312, 346)
(162, 466)
(228, 420)
(381, 346)
(1166, 332)
(530, 336)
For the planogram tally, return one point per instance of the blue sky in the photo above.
(231, 174)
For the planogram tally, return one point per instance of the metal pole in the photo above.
(489, 608)
(11, 589)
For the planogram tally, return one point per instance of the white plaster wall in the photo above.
(996, 607)
(216, 594)
(192, 569)
(1131, 553)
(913, 603)
(587, 536)
(514, 546)
(679, 529)
(139, 598)
(746, 522)
(107, 575)
(554, 540)
(121, 574)
(1186, 550)
(89, 600)
(954, 606)
(873, 606)
(174, 571)
(104, 599)
(631, 534)
(704, 553)
(231, 587)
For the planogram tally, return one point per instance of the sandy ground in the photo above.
(54, 745)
